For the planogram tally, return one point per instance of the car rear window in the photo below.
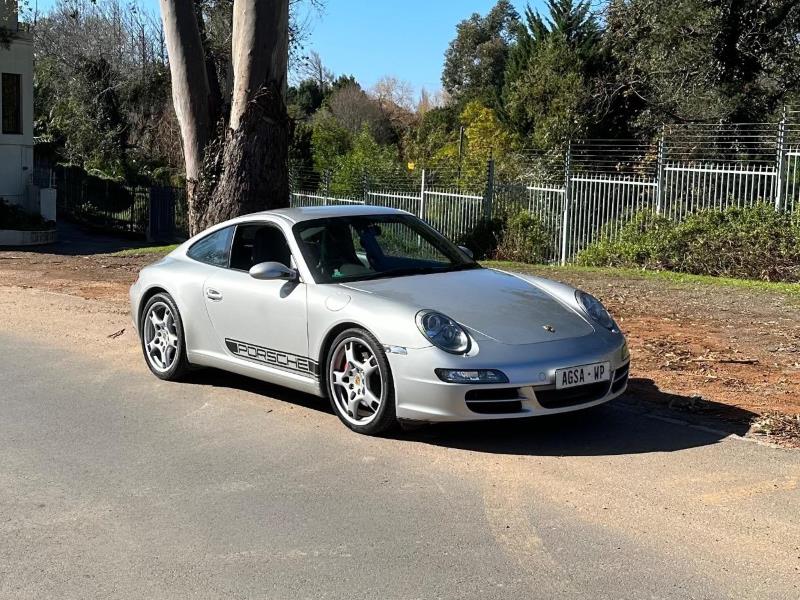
(214, 249)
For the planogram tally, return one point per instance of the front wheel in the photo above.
(161, 332)
(359, 383)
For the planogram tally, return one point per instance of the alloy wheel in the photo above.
(356, 381)
(161, 339)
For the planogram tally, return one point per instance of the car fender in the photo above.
(330, 307)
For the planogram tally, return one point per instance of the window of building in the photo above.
(12, 103)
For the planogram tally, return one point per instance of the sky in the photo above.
(406, 39)
(372, 38)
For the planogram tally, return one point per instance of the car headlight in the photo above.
(595, 309)
(443, 332)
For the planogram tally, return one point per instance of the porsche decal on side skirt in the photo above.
(273, 358)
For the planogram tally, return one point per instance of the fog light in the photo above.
(471, 376)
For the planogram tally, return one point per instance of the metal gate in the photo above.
(161, 225)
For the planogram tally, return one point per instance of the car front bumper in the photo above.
(531, 369)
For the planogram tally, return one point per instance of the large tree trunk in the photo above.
(244, 169)
(190, 90)
(248, 170)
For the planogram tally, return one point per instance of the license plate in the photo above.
(583, 375)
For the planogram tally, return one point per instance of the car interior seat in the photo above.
(270, 244)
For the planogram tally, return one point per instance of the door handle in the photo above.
(213, 294)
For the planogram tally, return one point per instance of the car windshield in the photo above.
(355, 248)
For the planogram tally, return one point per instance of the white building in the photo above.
(16, 110)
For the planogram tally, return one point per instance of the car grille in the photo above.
(572, 396)
(494, 401)
(620, 378)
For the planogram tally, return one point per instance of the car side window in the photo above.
(214, 249)
(257, 243)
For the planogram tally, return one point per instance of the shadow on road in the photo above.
(643, 420)
(225, 379)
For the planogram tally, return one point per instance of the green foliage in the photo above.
(551, 99)
(485, 137)
(751, 243)
(436, 129)
(548, 92)
(367, 160)
(686, 60)
(524, 239)
(14, 217)
(329, 141)
(475, 61)
(305, 99)
(102, 94)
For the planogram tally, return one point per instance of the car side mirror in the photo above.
(467, 251)
(272, 270)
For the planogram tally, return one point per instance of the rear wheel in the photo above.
(359, 382)
(161, 332)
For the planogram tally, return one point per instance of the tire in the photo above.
(358, 376)
(163, 344)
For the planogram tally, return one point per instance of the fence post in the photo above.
(291, 184)
(153, 216)
(488, 195)
(660, 174)
(422, 197)
(327, 187)
(781, 158)
(567, 202)
(365, 185)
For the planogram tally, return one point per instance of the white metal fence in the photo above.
(605, 182)
(451, 212)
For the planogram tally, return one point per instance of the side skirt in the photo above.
(296, 381)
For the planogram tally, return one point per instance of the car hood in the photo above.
(498, 305)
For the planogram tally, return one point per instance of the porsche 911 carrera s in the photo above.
(375, 310)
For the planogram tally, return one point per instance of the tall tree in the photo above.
(475, 61)
(570, 19)
(548, 90)
(240, 166)
(702, 60)
(312, 67)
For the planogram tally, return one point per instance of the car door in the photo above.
(260, 321)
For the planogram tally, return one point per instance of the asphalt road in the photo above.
(114, 484)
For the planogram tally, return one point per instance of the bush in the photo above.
(524, 239)
(484, 238)
(14, 217)
(639, 242)
(757, 242)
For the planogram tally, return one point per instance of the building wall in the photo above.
(16, 151)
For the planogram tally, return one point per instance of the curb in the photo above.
(14, 237)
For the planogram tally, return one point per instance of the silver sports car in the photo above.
(376, 310)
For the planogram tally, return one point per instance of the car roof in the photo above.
(308, 213)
